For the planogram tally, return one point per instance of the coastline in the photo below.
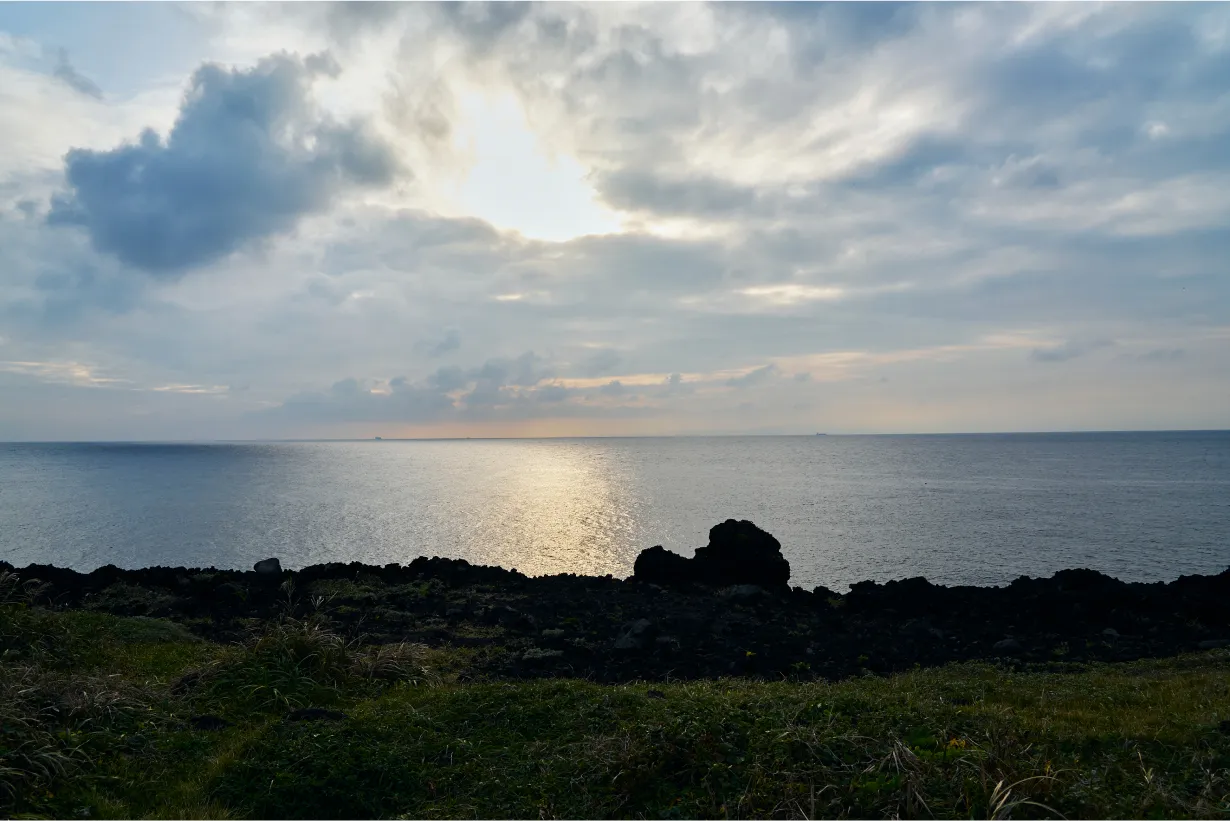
(613, 630)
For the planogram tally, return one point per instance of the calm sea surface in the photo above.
(979, 509)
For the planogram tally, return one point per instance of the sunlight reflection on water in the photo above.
(958, 510)
(545, 510)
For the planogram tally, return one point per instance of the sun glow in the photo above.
(515, 183)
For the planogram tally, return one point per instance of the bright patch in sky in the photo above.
(515, 184)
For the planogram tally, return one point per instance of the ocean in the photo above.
(958, 509)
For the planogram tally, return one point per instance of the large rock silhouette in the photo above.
(738, 553)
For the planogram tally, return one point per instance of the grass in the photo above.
(95, 722)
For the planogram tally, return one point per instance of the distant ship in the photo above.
(379, 438)
(822, 434)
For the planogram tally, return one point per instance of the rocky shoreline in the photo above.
(727, 611)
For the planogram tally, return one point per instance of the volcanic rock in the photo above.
(268, 567)
(659, 566)
(738, 554)
(1007, 646)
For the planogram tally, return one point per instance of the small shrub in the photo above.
(300, 662)
(395, 662)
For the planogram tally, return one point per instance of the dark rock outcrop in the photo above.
(682, 626)
(738, 553)
(268, 567)
(741, 553)
(657, 565)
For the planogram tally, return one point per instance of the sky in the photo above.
(230, 221)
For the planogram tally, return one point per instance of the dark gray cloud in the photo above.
(612, 388)
(248, 155)
(347, 401)
(483, 22)
(638, 189)
(487, 393)
(751, 378)
(448, 378)
(502, 389)
(74, 79)
(524, 371)
(1068, 350)
(71, 294)
(552, 393)
(499, 381)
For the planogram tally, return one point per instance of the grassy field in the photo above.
(97, 720)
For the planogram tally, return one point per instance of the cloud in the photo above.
(637, 189)
(348, 402)
(451, 341)
(75, 80)
(448, 378)
(552, 393)
(526, 370)
(754, 377)
(247, 157)
(1068, 350)
(1163, 355)
(674, 385)
(500, 389)
(349, 18)
(602, 362)
(612, 388)
(483, 22)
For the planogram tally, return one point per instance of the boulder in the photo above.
(739, 553)
(268, 567)
(1084, 580)
(230, 590)
(822, 595)
(1007, 646)
(657, 565)
(635, 635)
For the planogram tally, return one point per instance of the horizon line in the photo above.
(378, 438)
